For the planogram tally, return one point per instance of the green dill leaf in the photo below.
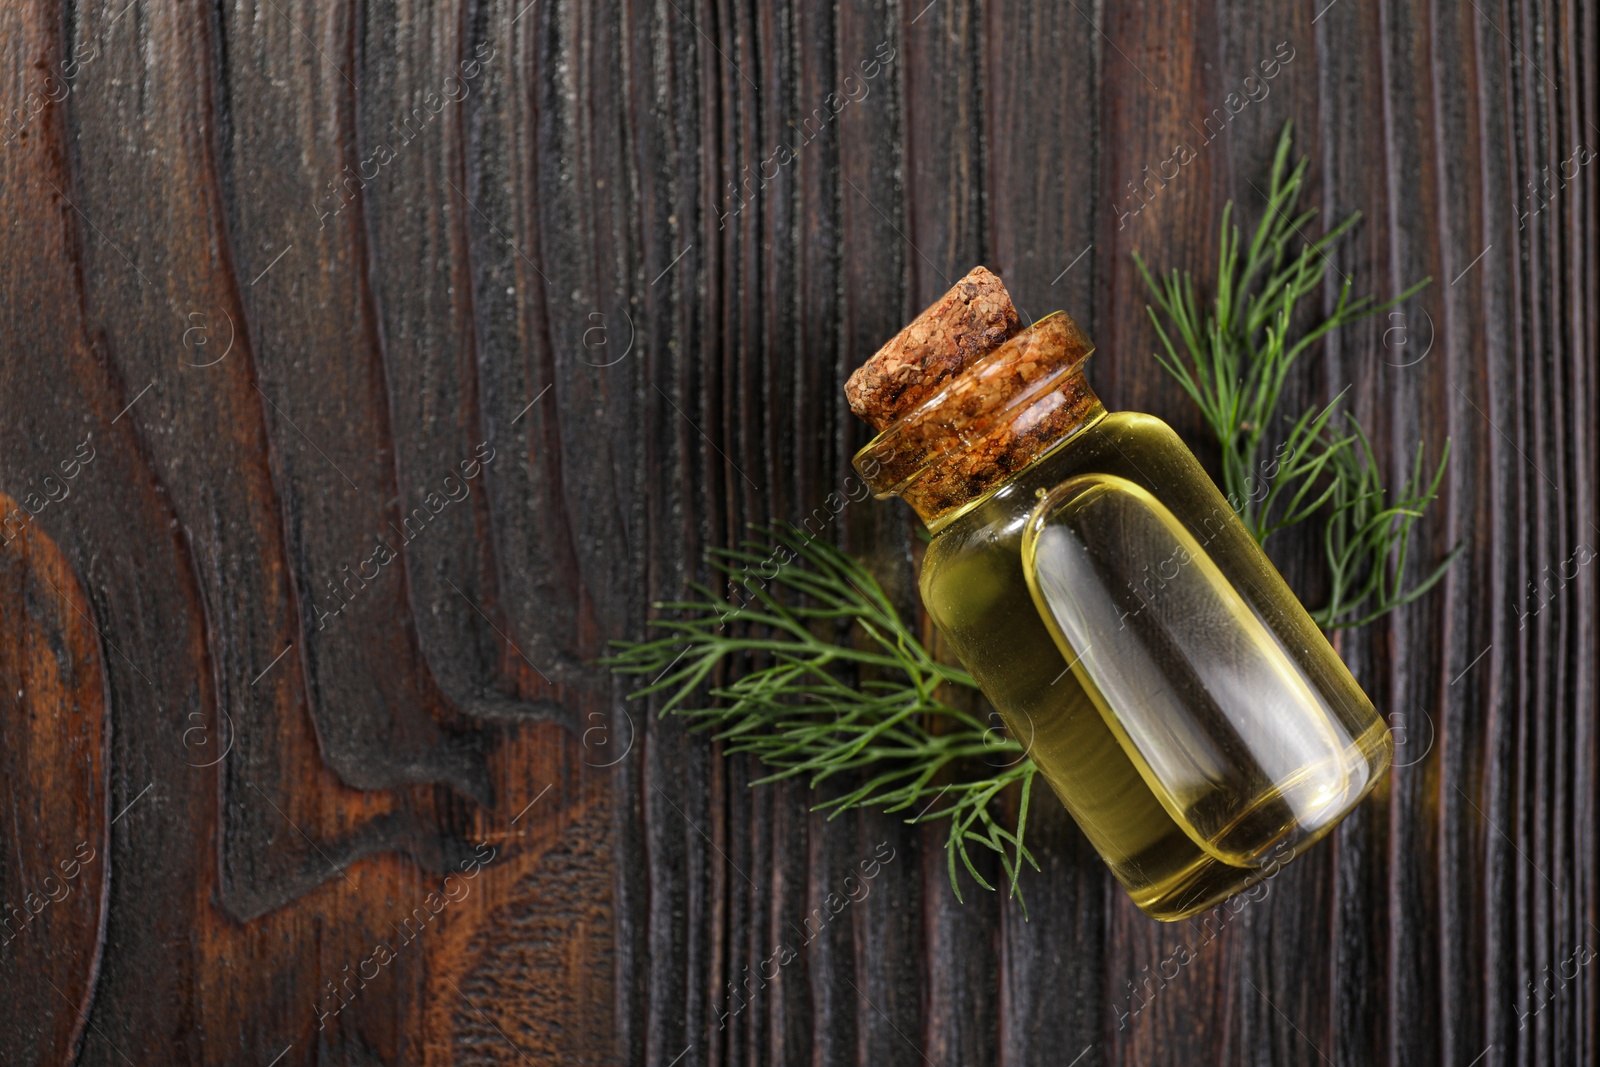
(1233, 358)
(813, 705)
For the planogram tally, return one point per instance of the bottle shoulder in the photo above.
(1134, 444)
(1134, 422)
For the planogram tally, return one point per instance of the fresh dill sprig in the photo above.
(812, 701)
(1366, 540)
(1237, 355)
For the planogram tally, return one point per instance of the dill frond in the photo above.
(1237, 353)
(816, 703)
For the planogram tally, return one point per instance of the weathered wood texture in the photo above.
(366, 367)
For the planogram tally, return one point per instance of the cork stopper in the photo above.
(967, 322)
(976, 428)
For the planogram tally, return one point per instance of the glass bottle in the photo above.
(1129, 630)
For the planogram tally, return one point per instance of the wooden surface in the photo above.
(570, 301)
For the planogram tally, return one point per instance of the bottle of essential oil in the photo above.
(1108, 600)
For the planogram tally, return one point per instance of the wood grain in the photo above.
(420, 347)
(55, 874)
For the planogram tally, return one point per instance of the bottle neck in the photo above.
(987, 425)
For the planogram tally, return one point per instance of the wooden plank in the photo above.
(1042, 67)
(1155, 65)
(1365, 992)
(946, 229)
(417, 61)
(871, 980)
(115, 530)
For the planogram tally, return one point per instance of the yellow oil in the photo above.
(1190, 793)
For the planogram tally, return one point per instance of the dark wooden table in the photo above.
(367, 367)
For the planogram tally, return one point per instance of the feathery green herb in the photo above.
(834, 680)
(1237, 355)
